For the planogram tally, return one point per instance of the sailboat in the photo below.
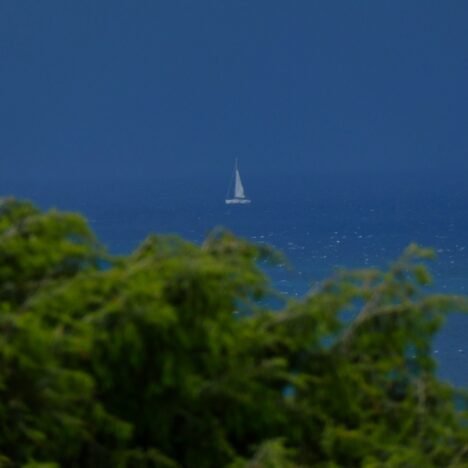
(239, 194)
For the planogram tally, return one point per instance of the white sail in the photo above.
(239, 188)
(239, 194)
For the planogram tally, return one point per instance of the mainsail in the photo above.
(239, 188)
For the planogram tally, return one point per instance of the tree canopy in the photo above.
(171, 356)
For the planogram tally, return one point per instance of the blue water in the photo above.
(319, 226)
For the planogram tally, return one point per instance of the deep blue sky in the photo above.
(135, 89)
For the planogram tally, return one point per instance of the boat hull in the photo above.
(237, 201)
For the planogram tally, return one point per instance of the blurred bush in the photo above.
(143, 360)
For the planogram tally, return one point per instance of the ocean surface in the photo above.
(320, 225)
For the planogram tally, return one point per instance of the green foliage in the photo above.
(270, 454)
(38, 249)
(169, 357)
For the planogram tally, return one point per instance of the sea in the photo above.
(320, 224)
